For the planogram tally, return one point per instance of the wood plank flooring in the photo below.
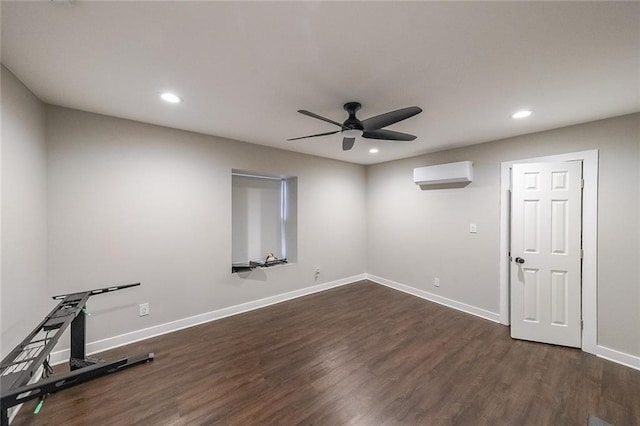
(361, 354)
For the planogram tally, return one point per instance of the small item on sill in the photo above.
(270, 260)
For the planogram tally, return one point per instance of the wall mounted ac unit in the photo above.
(451, 173)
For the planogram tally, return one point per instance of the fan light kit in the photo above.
(371, 128)
(352, 133)
(373, 150)
(171, 98)
(522, 114)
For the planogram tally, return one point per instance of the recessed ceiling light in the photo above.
(522, 114)
(373, 150)
(170, 97)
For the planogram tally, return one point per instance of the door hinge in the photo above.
(581, 324)
(581, 254)
(581, 183)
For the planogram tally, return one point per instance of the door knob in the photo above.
(519, 260)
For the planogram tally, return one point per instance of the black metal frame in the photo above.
(248, 266)
(20, 365)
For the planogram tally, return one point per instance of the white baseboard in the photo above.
(623, 358)
(628, 360)
(482, 313)
(62, 356)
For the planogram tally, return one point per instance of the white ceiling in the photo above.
(244, 68)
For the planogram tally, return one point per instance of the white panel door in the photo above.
(546, 214)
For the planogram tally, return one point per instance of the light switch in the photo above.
(472, 228)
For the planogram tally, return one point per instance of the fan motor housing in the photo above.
(352, 122)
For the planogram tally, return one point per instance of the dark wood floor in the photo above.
(361, 354)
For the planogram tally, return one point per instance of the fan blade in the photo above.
(313, 136)
(319, 117)
(389, 135)
(347, 143)
(388, 118)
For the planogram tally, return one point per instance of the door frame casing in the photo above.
(589, 240)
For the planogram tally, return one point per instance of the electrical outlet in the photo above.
(317, 272)
(436, 282)
(144, 309)
(472, 228)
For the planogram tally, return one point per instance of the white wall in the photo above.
(414, 234)
(24, 299)
(132, 202)
(128, 202)
(257, 218)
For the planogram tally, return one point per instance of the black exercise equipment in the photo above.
(19, 366)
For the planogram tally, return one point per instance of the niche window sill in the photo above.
(251, 265)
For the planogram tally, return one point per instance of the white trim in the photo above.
(589, 240)
(625, 359)
(62, 356)
(59, 357)
(479, 312)
(505, 212)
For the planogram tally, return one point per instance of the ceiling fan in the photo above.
(370, 128)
